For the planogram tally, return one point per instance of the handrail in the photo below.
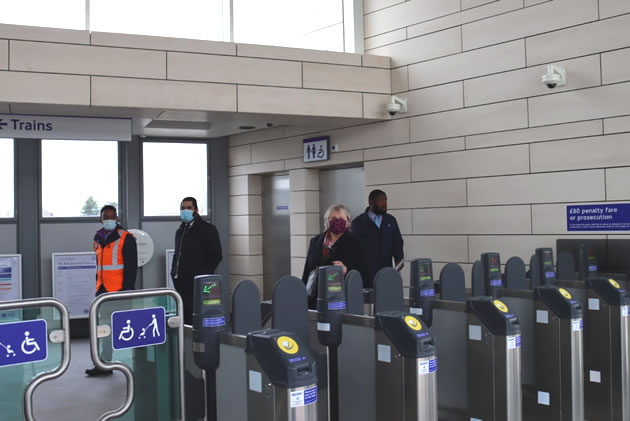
(65, 362)
(124, 295)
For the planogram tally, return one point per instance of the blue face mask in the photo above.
(187, 215)
(109, 224)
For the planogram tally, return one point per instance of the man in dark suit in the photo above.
(379, 235)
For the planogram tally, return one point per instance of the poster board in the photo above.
(10, 283)
(169, 263)
(74, 281)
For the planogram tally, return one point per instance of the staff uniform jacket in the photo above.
(347, 249)
(116, 259)
(379, 244)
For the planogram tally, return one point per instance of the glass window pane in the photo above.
(67, 14)
(290, 23)
(78, 177)
(7, 178)
(172, 171)
(193, 19)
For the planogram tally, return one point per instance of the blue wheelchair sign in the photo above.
(138, 328)
(23, 342)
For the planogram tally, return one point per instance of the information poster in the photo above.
(74, 281)
(10, 283)
(169, 264)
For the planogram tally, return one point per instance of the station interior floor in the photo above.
(75, 396)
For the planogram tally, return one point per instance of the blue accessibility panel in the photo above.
(23, 342)
(602, 217)
(138, 328)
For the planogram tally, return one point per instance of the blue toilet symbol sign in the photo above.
(23, 342)
(138, 328)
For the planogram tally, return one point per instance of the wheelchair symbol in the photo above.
(126, 334)
(29, 342)
(8, 350)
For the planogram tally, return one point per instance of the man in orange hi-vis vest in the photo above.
(117, 262)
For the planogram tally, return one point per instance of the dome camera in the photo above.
(556, 76)
(397, 105)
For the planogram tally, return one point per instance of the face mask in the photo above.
(337, 225)
(187, 215)
(109, 224)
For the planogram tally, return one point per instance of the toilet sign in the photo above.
(23, 342)
(316, 149)
(138, 328)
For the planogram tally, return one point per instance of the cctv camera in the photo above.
(269, 125)
(397, 105)
(556, 76)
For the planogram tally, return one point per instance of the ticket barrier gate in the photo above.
(607, 351)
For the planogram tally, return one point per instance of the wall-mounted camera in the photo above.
(397, 105)
(556, 76)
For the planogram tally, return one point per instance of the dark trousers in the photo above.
(184, 288)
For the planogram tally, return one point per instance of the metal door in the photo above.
(276, 231)
(343, 186)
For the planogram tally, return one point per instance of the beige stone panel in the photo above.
(370, 6)
(568, 186)
(259, 99)
(469, 121)
(586, 104)
(305, 224)
(534, 2)
(144, 93)
(408, 13)
(465, 16)
(581, 40)
(431, 46)
(529, 21)
(536, 134)
(299, 245)
(241, 70)
(617, 185)
(441, 248)
(382, 62)
(4, 54)
(474, 220)
(339, 158)
(469, 4)
(616, 66)
(473, 163)
(297, 54)
(434, 99)
(608, 8)
(37, 33)
(245, 205)
(162, 43)
(346, 78)
(277, 149)
(400, 79)
(592, 152)
(583, 73)
(246, 265)
(552, 219)
(87, 60)
(386, 38)
(297, 266)
(239, 155)
(433, 194)
(246, 245)
(244, 185)
(371, 135)
(416, 148)
(388, 171)
(256, 136)
(304, 201)
(259, 168)
(403, 218)
(617, 125)
(304, 179)
(246, 225)
(374, 106)
(495, 59)
(42, 88)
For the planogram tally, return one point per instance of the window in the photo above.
(194, 19)
(78, 177)
(7, 178)
(290, 23)
(66, 14)
(172, 171)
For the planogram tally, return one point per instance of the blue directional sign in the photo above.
(138, 328)
(23, 342)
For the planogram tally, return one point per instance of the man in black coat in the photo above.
(379, 235)
(197, 252)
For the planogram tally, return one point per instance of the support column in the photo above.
(305, 218)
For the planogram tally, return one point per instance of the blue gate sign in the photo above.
(138, 328)
(602, 217)
(23, 342)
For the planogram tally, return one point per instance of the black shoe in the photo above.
(97, 372)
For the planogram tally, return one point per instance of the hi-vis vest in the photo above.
(110, 264)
